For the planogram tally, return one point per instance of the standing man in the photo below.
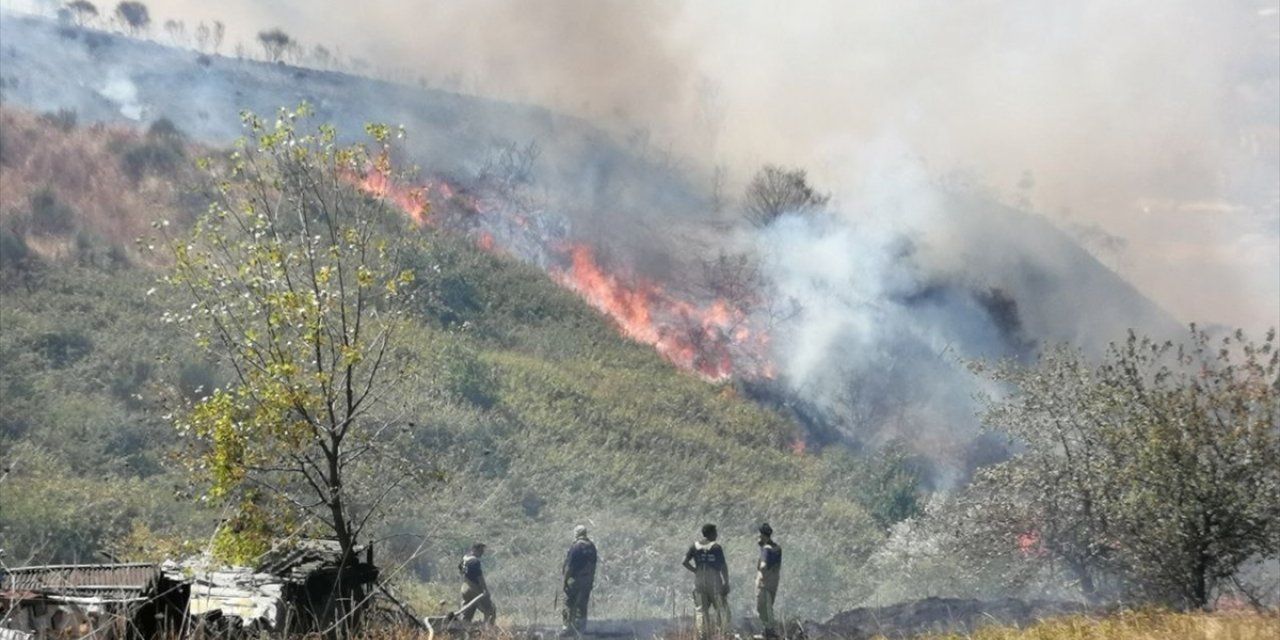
(475, 593)
(579, 578)
(768, 571)
(710, 582)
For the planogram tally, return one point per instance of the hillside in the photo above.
(862, 316)
(829, 392)
(539, 414)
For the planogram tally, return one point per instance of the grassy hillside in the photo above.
(540, 416)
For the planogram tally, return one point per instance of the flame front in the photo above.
(413, 202)
(699, 338)
(695, 338)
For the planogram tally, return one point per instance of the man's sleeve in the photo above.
(771, 557)
(474, 572)
(719, 553)
(688, 555)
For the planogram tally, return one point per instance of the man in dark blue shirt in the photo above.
(579, 578)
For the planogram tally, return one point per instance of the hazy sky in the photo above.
(1151, 129)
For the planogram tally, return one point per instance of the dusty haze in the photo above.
(1148, 129)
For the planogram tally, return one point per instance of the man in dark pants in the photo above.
(768, 571)
(579, 578)
(705, 558)
(475, 593)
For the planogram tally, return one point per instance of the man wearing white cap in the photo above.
(579, 578)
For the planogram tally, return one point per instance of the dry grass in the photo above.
(81, 166)
(1138, 625)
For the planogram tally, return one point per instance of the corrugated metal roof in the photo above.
(83, 580)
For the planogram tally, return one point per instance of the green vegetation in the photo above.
(293, 282)
(527, 403)
(1151, 474)
(512, 411)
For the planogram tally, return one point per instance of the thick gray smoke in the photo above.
(1146, 130)
(901, 283)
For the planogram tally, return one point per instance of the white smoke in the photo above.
(119, 88)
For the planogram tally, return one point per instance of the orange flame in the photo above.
(692, 337)
(696, 338)
(799, 447)
(411, 201)
(1028, 542)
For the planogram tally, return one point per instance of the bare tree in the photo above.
(777, 190)
(274, 43)
(321, 56)
(219, 32)
(509, 166)
(177, 31)
(294, 52)
(203, 36)
(82, 11)
(135, 16)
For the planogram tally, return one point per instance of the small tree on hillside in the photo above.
(219, 32)
(776, 190)
(274, 43)
(82, 11)
(293, 281)
(177, 31)
(1156, 469)
(135, 16)
(203, 36)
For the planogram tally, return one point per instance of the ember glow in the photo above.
(412, 201)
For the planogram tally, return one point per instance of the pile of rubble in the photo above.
(300, 585)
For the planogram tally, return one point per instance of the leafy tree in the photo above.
(82, 11)
(776, 190)
(274, 43)
(1156, 469)
(292, 280)
(134, 15)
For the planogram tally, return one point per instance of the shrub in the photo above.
(63, 120)
(63, 347)
(776, 190)
(49, 215)
(165, 129)
(14, 252)
(153, 156)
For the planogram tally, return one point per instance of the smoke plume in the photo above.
(1148, 128)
